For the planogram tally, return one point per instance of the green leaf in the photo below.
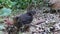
(5, 12)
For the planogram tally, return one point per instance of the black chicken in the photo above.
(24, 19)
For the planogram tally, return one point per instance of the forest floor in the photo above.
(44, 21)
